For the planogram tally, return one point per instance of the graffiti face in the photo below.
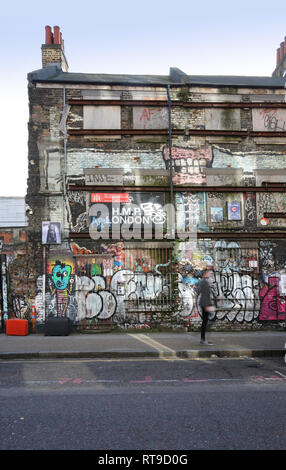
(61, 275)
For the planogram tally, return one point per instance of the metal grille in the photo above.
(151, 277)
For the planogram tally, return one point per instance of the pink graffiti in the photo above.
(272, 304)
(147, 113)
(189, 164)
(148, 379)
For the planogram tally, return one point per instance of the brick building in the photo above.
(13, 257)
(212, 147)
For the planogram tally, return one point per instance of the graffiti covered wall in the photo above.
(109, 282)
(120, 286)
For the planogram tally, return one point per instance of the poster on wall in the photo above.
(139, 208)
(216, 214)
(51, 233)
(234, 210)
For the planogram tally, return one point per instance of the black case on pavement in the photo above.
(57, 326)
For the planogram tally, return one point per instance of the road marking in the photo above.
(70, 381)
(259, 379)
(63, 380)
(158, 346)
(148, 379)
(280, 373)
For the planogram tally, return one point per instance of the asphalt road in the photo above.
(179, 404)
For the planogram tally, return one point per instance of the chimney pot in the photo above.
(56, 35)
(48, 35)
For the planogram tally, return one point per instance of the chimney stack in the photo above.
(53, 49)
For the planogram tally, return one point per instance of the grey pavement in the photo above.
(143, 344)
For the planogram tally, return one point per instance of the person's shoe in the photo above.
(207, 343)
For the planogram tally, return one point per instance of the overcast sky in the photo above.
(210, 37)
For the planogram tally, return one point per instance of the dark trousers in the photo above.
(205, 315)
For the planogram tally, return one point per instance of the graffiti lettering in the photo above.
(273, 306)
(272, 121)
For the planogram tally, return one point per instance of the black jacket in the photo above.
(205, 292)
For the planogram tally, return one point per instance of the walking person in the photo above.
(205, 303)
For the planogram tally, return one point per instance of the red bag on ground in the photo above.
(16, 326)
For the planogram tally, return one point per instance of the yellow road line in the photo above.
(156, 345)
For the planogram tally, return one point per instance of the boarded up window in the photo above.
(101, 117)
(268, 119)
(150, 118)
(223, 119)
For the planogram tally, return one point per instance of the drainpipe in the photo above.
(171, 164)
(65, 157)
(44, 282)
(65, 142)
(170, 146)
(173, 281)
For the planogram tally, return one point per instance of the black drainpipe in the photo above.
(170, 147)
(173, 291)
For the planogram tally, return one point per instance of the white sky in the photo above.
(210, 37)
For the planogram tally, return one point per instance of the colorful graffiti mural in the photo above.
(273, 305)
(133, 285)
(60, 288)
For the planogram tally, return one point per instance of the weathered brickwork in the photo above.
(141, 282)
